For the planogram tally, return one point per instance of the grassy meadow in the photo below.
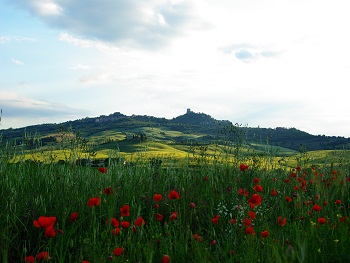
(169, 203)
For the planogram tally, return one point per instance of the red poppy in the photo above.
(288, 199)
(173, 195)
(273, 192)
(254, 200)
(264, 233)
(50, 232)
(316, 208)
(115, 231)
(94, 201)
(247, 222)
(282, 221)
(102, 169)
(243, 167)
(125, 210)
(165, 259)
(192, 205)
(139, 221)
(29, 259)
(74, 216)
(249, 230)
(118, 251)
(84, 261)
(114, 222)
(243, 192)
(124, 224)
(258, 188)
(215, 219)
(197, 237)
(338, 202)
(256, 180)
(252, 215)
(157, 197)
(158, 217)
(44, 222)
(43, 256)
(173, 216)
(108, 190)
(321, 220)
(233, 221)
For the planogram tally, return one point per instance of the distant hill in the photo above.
(188, 128)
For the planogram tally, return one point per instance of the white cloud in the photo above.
(17, 62)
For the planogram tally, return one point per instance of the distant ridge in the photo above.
(205, 127)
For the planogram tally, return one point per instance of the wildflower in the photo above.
(43, 256)
(159, 217)
(73, 216)
(273, 192)
(321, 220)
(192, 205)
(249, 230)
(252, 215)
(254, 200)
(258, 188)
(116, 231)
(29, 259)
(206, 178)
(243, 167)
(102, 169)
(118, 251)
(125, 210)
(338, 202)
(243, 192)
(114, 222)
(94, 201)
(165, 259)
(316, 208)
(264, 234)
(256, 180)
(212, 243)
(173, 216)
(173, 195)
(49, 232)
(157, 197)
(215, 219)
(124, 224)
(139, 221)
(45, 222)
(85, 261)
(288, 199)
(197, 237)
(247, 222)
(108, 190)
(282, 221)
(233, 221)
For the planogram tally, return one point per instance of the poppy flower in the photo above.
(94, 201)
(247, 222)
(157, 197)
(288, 199)
(252, 215)
(243, 192)
(29, 259)
(73, 216)
(316, 208)
(43, 256)
(215, 219)
(256, 180)
(338, 202)
(192, 205)
(249, 230)
(173, 216)
(258, 188)
(124, 224)
(273, 192)
(114, 222)
(282, 221)
(173, 195)
(255, 199)
(321, 220)
(49, 232)
(197, 237)
(159, 217)
(233, 221)
(108, 190)
(118, 251)
(125, 210)
(84, 261)
(165, 259)
(243, 167)
(102, 169)
(264, 234)
(44, 222)
(139, 221)
(115, 231)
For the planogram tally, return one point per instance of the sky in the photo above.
(271, 63)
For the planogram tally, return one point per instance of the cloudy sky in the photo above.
(270, 63)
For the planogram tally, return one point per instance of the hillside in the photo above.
(104, 132)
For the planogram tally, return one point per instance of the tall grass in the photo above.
(213, 209)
